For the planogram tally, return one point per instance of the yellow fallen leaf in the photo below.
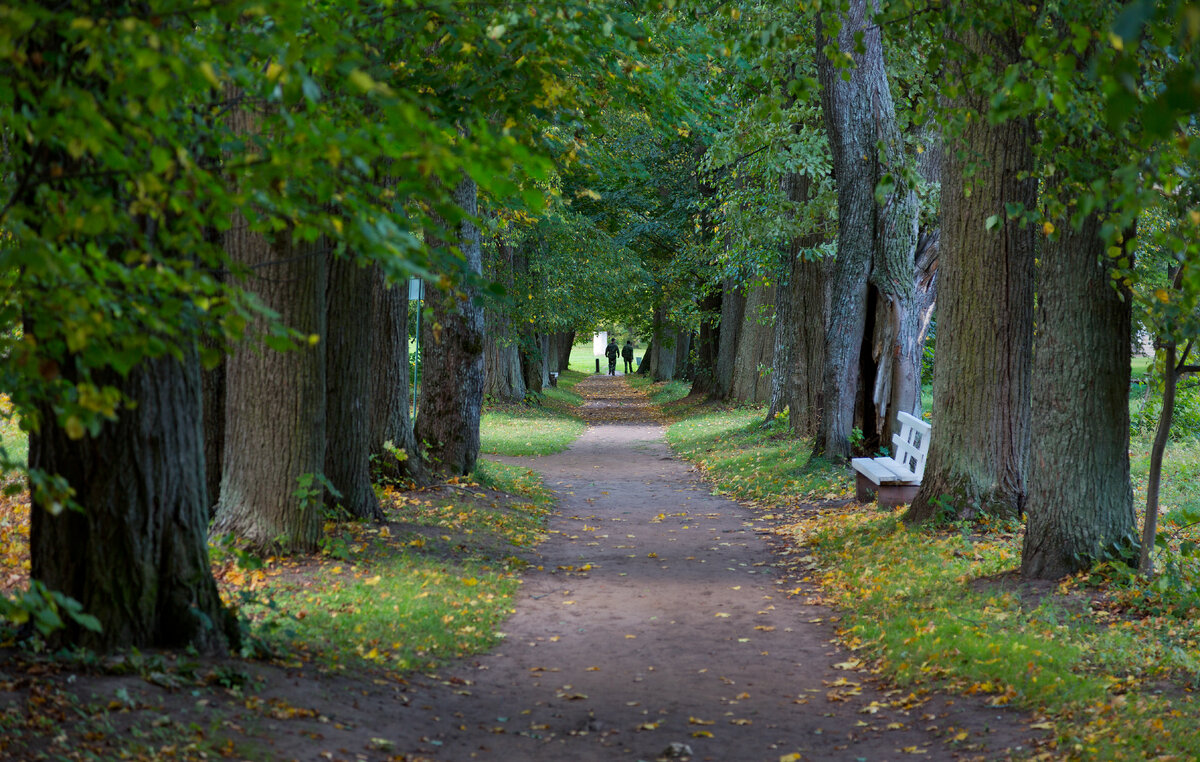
(702, 734)
(698, 721)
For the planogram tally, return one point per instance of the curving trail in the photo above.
(656, 619)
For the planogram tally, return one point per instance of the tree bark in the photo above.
(875, 241)
(275, 404)
(798, 359)
(756, 347)
(452, 392)
(136, 555)
(733, 309)
(981, 378)
(683, 355)
(348, 388)
(1080, 500)
(390, 380)
(503, 379)
(212, 394)
(708, 339)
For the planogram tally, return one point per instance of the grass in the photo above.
(535, 429)
(432, 584)
(1105, 659)
(748, 460)
(661, 392)
(584, 361)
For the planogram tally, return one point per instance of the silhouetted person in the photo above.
(627, 354)
(611, 352)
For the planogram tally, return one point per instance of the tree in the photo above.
(348, 347)
(982, 372)
(1080, 500)
(393, 446)
(451, 394)
(876, 240)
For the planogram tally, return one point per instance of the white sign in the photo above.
(599, 343)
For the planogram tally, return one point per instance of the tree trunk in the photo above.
(647, 359)
(667, 340)
(544, 344)
(348, 389)
(756, 347)
(981, 378)
(136, 555)
(452, 392)
(566, 342)
(733, 309)
(1080, 500)
(798, 359)
(873, 240)
(503, 379)
(708, 340)
(683, 355)
(275, 404)
(390, 379)
(1159, 448)
(212, 394)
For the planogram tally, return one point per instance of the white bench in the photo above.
(897, 478)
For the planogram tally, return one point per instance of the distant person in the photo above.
(627, 355)
(611, 352)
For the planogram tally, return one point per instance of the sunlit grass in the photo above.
(542, 428)
(435, 583)
(746, 459)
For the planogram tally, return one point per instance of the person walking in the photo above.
(627, 355)
(611, 352)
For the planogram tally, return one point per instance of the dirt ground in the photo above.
(655, 627)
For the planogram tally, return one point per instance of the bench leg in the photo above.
(892, 495)
(864, 489)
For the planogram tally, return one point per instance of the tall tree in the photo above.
(134, 554)
(348, 348)
(756, 346)
(875, 240)
(1080, 501)
(451, 394)
(393, 445)
(733, 307)
(275, 401)
(503, 379)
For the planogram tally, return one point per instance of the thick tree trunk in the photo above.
(531, 362)
(1080, 500)
(452, 392)
(647, 359)
(275, 404)
(136, 555)
(733, 309)
(503, 379)
(390, 380)
(566, 341)
(981, 379)
(667, 340)
(683, 355)
(212, 393)
(707, 342)
(756, 347)
(873, 240)
(798, 360)
(348, 388)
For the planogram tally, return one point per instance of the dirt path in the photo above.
(656, 619)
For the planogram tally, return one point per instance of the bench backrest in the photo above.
(911, 444)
